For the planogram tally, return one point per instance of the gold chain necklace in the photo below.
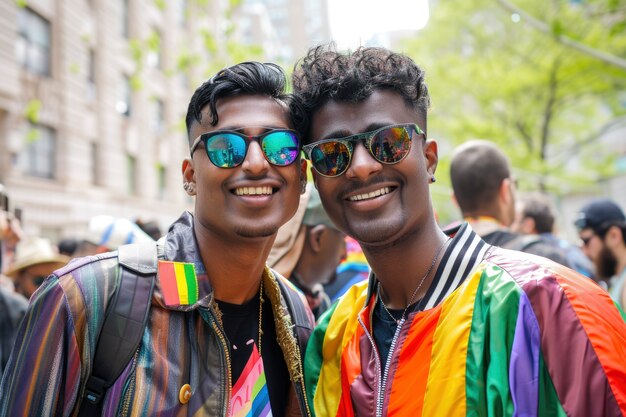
(261, 301)
(415, 291)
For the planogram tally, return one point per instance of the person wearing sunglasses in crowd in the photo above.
(446, 325)
(601, 227)
(220, 339)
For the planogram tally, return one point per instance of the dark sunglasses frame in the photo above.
(350, 141)
(205, 137)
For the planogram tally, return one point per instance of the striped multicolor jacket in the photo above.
(181, 345)
(516, 335)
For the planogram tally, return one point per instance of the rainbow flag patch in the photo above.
(179, 284)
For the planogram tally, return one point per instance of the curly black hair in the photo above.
(246, 78)
(325, 74)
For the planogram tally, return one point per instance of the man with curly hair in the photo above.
(446, 325)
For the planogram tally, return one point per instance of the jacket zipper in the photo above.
(382, 379)
(302, 398)
(129, 389)
(226, 352)
(307, 410)
(378, 377)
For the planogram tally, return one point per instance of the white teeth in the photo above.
(382, 191)
(266, 190)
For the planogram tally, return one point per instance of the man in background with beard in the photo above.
(602, 229)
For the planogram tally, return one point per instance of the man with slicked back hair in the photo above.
(225, 334)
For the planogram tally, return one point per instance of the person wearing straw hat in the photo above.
(35, 259)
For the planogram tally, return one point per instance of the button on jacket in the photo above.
(181, 345)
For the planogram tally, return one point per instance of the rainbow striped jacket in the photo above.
(517, 335)
(183, 348)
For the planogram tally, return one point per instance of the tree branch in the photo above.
(565, 40)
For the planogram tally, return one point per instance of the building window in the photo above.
(124, 19)
(123, 105)
(161, 175)
(131, 172)
(95, 165)
(33, 43)
(37, 157)
(158, 116)
(181, 13)
(91, 76)
(154, 57)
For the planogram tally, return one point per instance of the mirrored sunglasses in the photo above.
(228, 148)
(388, 145)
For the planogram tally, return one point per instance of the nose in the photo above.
(363, 164)
(255, 162)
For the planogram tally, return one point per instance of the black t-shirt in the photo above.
(384, 327)
(241, 325)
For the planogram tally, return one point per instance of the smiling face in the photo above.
(255, 198)
(375, 203)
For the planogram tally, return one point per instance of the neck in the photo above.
(400, 272)
(234, 267)
(483, 225)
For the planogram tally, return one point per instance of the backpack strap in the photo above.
(124, 323)
(522, 242)
(299, 316)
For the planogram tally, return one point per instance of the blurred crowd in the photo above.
(26, 261)
(323, 262)
(113, 325)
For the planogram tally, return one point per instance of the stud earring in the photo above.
(432, 178)
(189, 187)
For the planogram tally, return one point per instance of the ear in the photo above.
(431, 155)
(613, 237)
(528, 226)
(188, 171)
(454, 200)
(315, 237)
(504, 193)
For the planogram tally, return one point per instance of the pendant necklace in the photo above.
(419, 285)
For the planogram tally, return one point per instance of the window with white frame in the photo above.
(37, 157)
(33, 44)
(131, 172)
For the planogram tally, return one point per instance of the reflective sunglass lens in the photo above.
(226, 150)
(391, 145)
(280, 148)
(330, 158)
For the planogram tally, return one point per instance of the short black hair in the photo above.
(477, 169)
(246, 78)
(538, 208)
(325, 74)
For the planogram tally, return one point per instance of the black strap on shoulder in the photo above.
(124, 323)
(299, 316)
(522, 242)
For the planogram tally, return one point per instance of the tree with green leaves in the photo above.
(544, 81)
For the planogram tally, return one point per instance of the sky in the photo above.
(353, 22)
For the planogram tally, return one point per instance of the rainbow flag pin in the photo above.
(179, 284)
